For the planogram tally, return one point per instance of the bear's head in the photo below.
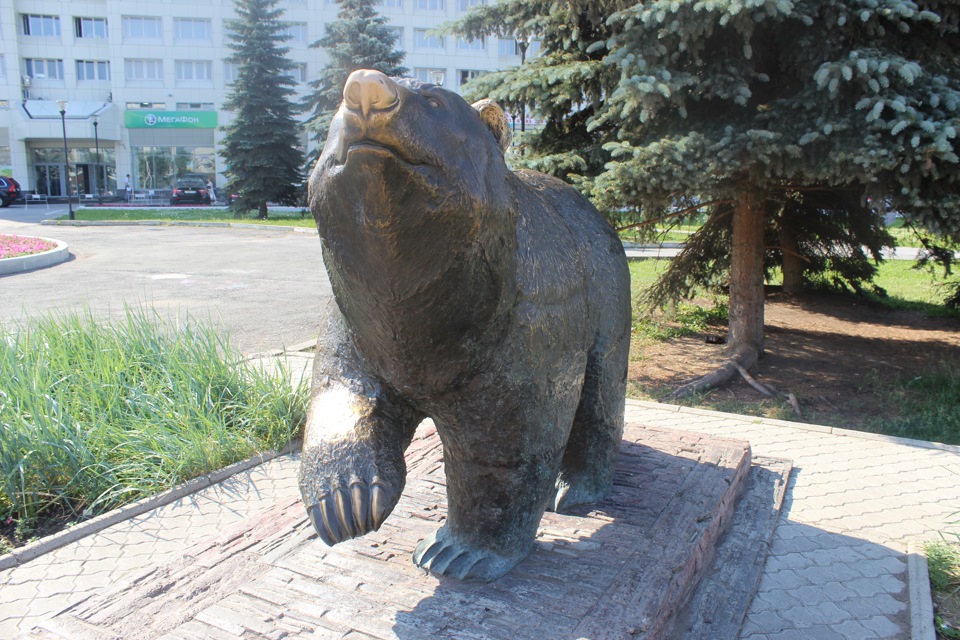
(411, 168)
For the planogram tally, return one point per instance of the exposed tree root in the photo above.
(738, 363)
(753, 383)
(723, 374)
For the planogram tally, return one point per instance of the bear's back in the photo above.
(565, 245)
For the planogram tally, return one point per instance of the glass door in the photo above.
(50, 179)
(86, 177)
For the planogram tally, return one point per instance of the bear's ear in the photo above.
(496, 120)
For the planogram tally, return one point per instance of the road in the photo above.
(263, 287)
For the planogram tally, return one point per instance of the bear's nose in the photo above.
(369, 90)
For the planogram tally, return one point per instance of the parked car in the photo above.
(190, 190)
(9, 191)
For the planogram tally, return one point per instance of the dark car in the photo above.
(190, 190)
(9, 191)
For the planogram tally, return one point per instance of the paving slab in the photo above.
(621, 568)
(854, 504)
(37, 589)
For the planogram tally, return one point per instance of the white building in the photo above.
(145, 80)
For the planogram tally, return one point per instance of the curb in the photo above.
(36, 260)
(804, 426)
(172, 223)
(918, 591)
(36, 549)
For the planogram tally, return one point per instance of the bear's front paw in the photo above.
(443, 553)
(352, 509)
(349, 485)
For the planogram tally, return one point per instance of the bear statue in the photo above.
(495, 302)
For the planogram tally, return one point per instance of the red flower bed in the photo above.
(15, 246)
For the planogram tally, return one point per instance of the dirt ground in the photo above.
(835, 353)
(947, 607)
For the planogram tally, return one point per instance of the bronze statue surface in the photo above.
(495, 302)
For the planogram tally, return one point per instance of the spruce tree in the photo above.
(358, 39)
(261, 145)
(740, 107)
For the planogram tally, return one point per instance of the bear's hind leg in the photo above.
(586, 472)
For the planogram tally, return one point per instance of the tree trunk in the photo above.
(263, 211)
(746, 276)
(746, 297)
(793, 278)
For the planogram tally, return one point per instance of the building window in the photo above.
(142, 28)
(297, 31)
(298, 73)
(397, 33)
(37, 25)
(150, 70)
(421, 40)
(90, 27)
(391, 4)
(39, 68)
(148, 106)
(93, 70)
(509, 47)
(192, 29)
(466, 5)
(230, 71)
(466, 75)
(431, 5)
(159, 167)
(424, 74)
(194, 71)
(470, 45)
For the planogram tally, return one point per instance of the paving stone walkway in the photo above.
(49, 584)
(838, 564)
(838, 567)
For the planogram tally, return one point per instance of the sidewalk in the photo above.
(838, 567)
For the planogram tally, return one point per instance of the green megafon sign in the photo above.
(170, 119)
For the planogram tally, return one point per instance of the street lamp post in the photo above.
(66, 154)
(522, 45)
(96, 138)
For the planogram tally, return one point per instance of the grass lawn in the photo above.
(943, 562)
(920, 402)
(906, 287)
(198, 214)
(94, 416)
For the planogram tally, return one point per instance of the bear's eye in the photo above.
(433, 102)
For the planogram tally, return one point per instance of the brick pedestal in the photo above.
(622, 568)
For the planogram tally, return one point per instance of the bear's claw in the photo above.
(576, 489)
(346, 513)
(443, 554)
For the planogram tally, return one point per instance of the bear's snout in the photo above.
(367, 90)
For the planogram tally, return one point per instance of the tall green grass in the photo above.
(95, 415)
